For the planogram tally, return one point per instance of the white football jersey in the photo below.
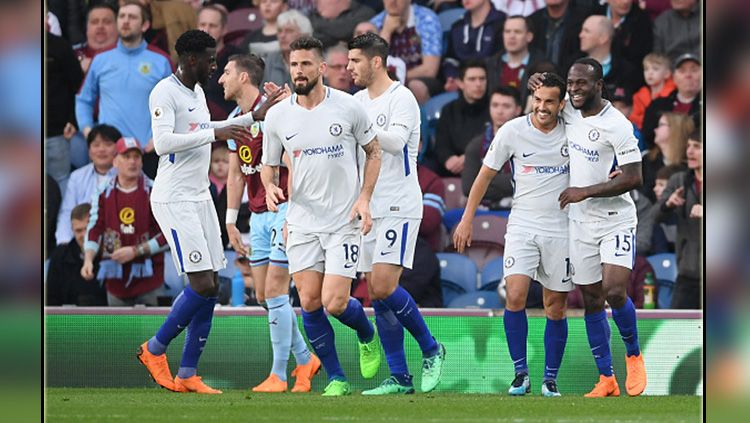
(596, 144)
(322, 144)
(181, 176)
(541, 172)
(397, 192)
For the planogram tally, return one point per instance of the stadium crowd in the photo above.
(466, 62)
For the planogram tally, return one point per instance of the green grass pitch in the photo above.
(152, 405)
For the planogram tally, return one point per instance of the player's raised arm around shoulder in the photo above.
(404, 118)
(162, 108)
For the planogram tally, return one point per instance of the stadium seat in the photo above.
(492, 274)
(458, 275)
(454, 196)
(665, 269)
(449, 17)
(478, 299)
(488, 239)
(240, 22)
(432, 110)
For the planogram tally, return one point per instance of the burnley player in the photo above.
(241, 78)
(602, 220)
(321, 129)
(183, 208)
(397, 213)
(536, 244)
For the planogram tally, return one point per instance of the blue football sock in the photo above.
(598, 332)
(320, 333)
(354, 316)
(516, 331)
(299, 347)
(555, 338)
(280, 326)
(626, 323)
(197, 335)
(403, 306)
(392, 337)
(184, 307)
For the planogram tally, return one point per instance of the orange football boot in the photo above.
(271, 384)
(157, 367)
(635, 383)
(305, 373)
(193, 384)
(606, 387)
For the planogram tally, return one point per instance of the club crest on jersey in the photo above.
(255, 129)
(564, 151)
(509, 262)
(127, 217)
(380, 120)
(195, 256)
(144, 68)
(246, 155)
(335, 129)
(594, 134)
(158, 113)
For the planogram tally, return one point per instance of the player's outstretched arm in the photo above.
(235, 185)
(372, 170)
(629, 179)
(462, 233)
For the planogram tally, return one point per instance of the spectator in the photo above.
(232, 5)
(556, 31)
(122, 79)
(518, 7)
(70, 14)
(414, 35)
(678, 31)
(683, 197)
(124, 235)
(596, 37)
(505, 104)
(433, 207)
(292, 25)
(510, 66)
(171, 18)
(333, 21)
(303, 6)
(622, 99)
(84, 181)
(101, 33)
(64, 282)
(212, 19)
(217, 176)
(685, 99)
(462, 119)
(336, 75)
(264, 40)
(654, 8)
(52, 201)
(396, 65)
(670, 141)
(634, 32)
(64, 77)
(477, 35)
(665, 232)
(657, 73)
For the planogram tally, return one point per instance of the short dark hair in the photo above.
(527, 21)
(145, 12)
(307, 43)
(552, 79)
(80, 212)
(193, 41)
(666, 172)
(250, 63)
(696, 136)
(371, 45)
(471, 63)
(101, 5)
(106, 132)
(508, 91)
(588, 61)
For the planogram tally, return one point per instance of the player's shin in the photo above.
(516, 332)
(354, 316)
(280, 326)
(625, 319)
(403, 306)
(183, 309)
(195, 340)
(598, 332)
(555, 338)
(320, 333)
(391, 334)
